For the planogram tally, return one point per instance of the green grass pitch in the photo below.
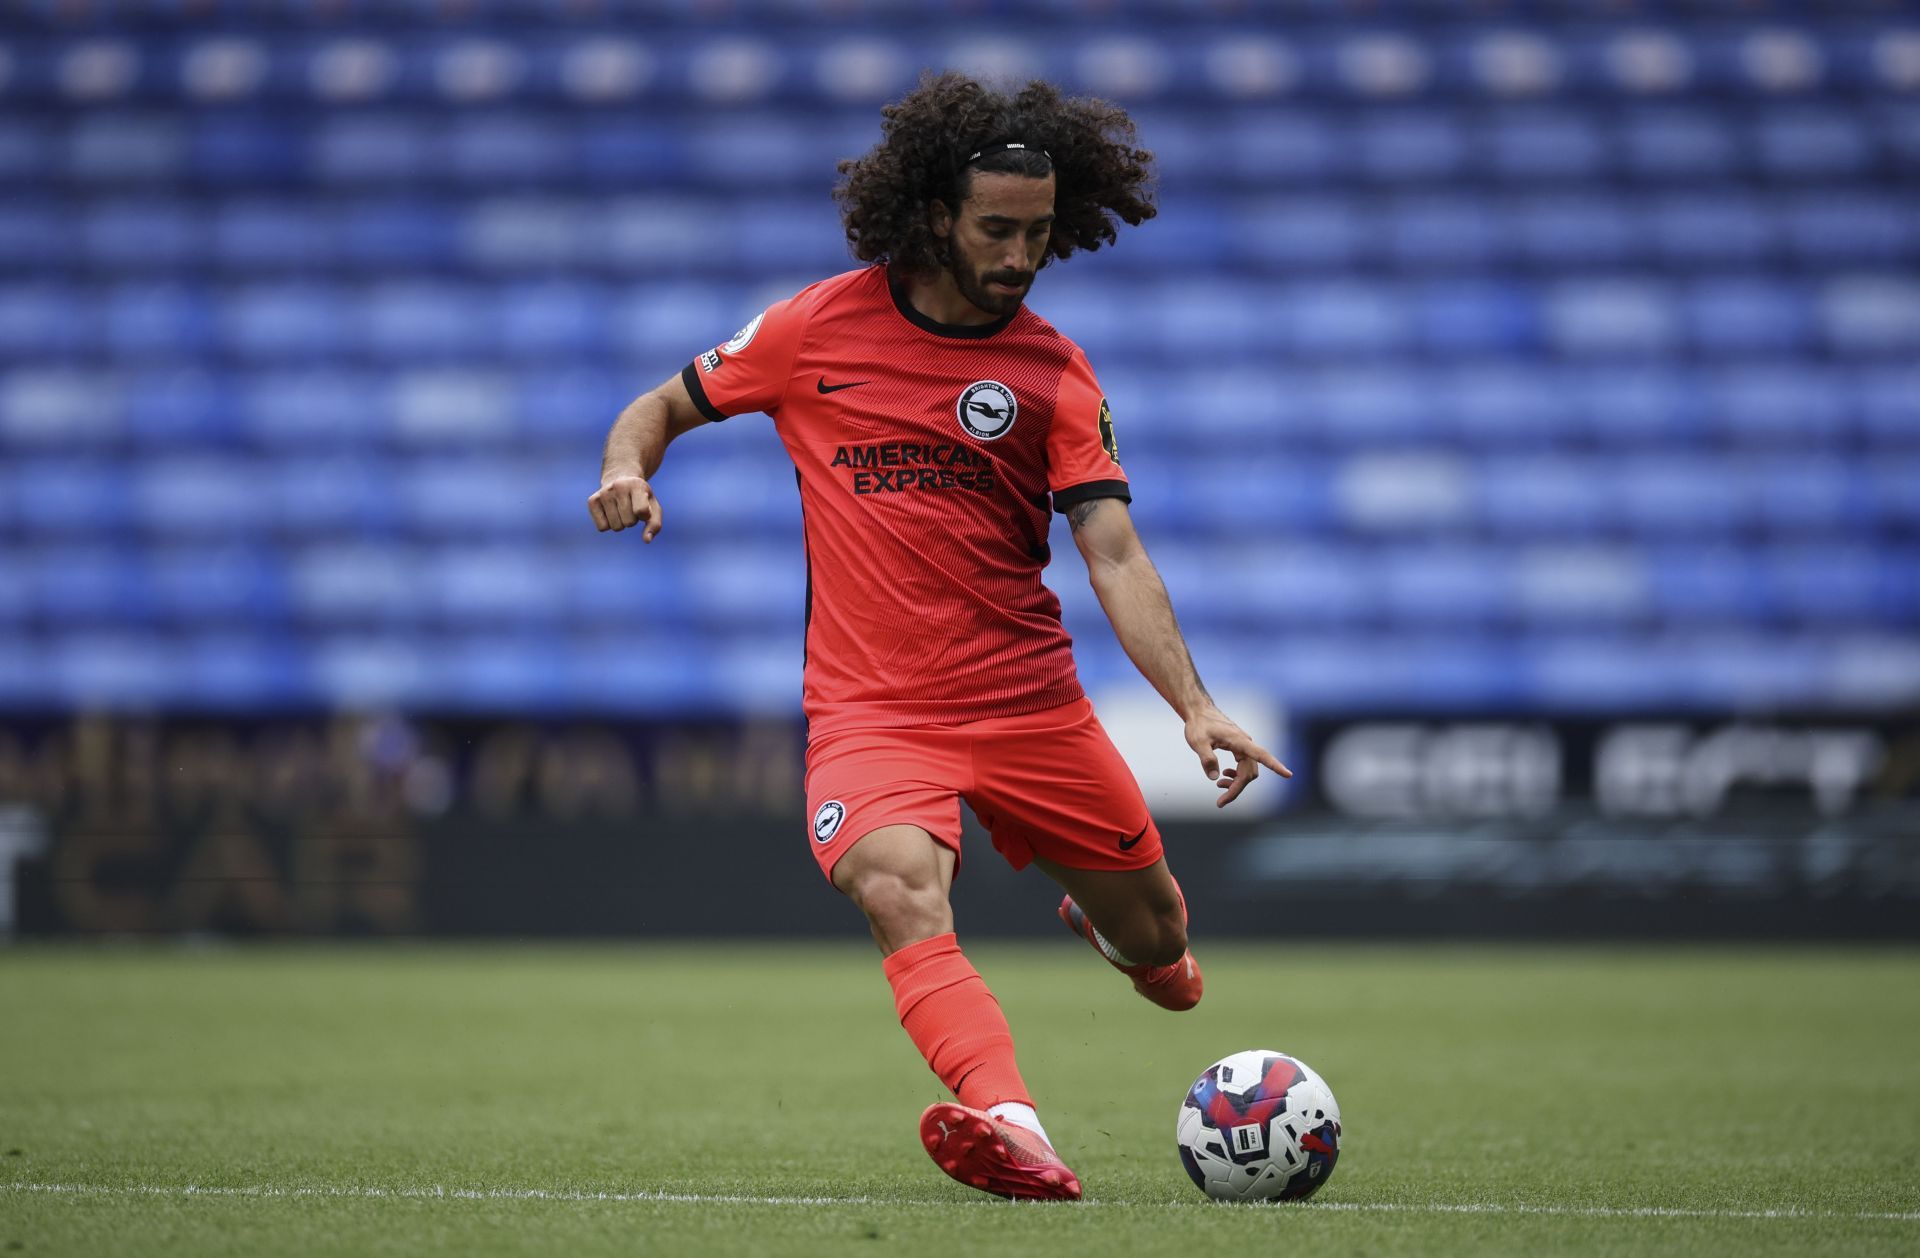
(754, 1099)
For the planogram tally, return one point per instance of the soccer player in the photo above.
(930, 416)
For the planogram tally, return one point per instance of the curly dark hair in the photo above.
(928, 135)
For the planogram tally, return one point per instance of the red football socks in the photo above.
(955, 1022)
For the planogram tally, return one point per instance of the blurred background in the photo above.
(1522, 403)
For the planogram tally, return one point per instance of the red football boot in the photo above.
(1177, 986)
(1004, 1159)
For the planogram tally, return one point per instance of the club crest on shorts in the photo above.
(986, 409)
(826, 821)
(740, 338)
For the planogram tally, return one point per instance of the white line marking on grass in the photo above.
(732, 1199)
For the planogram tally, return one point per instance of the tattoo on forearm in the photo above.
(1080, 513)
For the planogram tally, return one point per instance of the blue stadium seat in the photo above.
(1747, 316)
(1638, 407)
(1807, 495)
(1286, 149)
(667, 324)
(1844, 227)
(1423, 493)
(1872, 314)
(1888, 402)
(743, 585)
(90, 671)
(26, 152)
(274, 235)
(223, 582)
(423, 322)
(629, 152)
(355, 583)
(786, 235)
(1710, 228)
(1310, 231)
(490, 583)
(1358, 406)
(481, 498)
(371, 148)
(114, 148)
(495, 149)
(164, 319)
(1808, 143)
(60, 407)
(66, 495)
(1674, 496)
(179, 408)
(662, 235)
(185, 495)
(1845, 584)
(286, 321)
(35, 234)
(542, 234)
(1444, 229)
(243, 670)
(312, 407)
(1679, 143)
(1542, 144)
(1444, 586)
(1525, 496)
(553, 319)
(1611, 318)
(1584, 584)
(16, 591)
(316, 495)
(504, 672)
(452, 407)
(1508, 403)
(1408, 147)
(141, 235)
(1707, 583)
(1599, 672)
(379, 233)
(1766, 401)
(1340, 318)
(89, 583)
(1575, 230)
(248, 150)
(42, 320)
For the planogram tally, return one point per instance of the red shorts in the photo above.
(1048, 784)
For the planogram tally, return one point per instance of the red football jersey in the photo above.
(926, 454)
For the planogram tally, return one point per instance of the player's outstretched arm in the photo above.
(1135, 600)
(635, 445)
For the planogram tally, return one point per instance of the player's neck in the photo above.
(940, 300)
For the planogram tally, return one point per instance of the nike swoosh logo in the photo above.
(824, 387)
(1126, 845)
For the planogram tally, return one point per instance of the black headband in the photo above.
(1003, 146)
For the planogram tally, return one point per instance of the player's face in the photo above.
(999, 237)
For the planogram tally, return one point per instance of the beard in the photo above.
(974, 288)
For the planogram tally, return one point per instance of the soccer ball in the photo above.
(1259, 1126)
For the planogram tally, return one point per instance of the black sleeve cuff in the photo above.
(1086, 491)
(690, 376)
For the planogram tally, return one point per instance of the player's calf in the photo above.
(1172, 984)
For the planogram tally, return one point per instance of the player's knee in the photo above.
(901, 909)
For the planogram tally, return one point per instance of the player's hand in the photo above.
(1208, 731)
(624, 501)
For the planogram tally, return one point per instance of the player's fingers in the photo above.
(653, 519)
(1247, 749)
(1208, 764)
(599, 517)
(1239, 784)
